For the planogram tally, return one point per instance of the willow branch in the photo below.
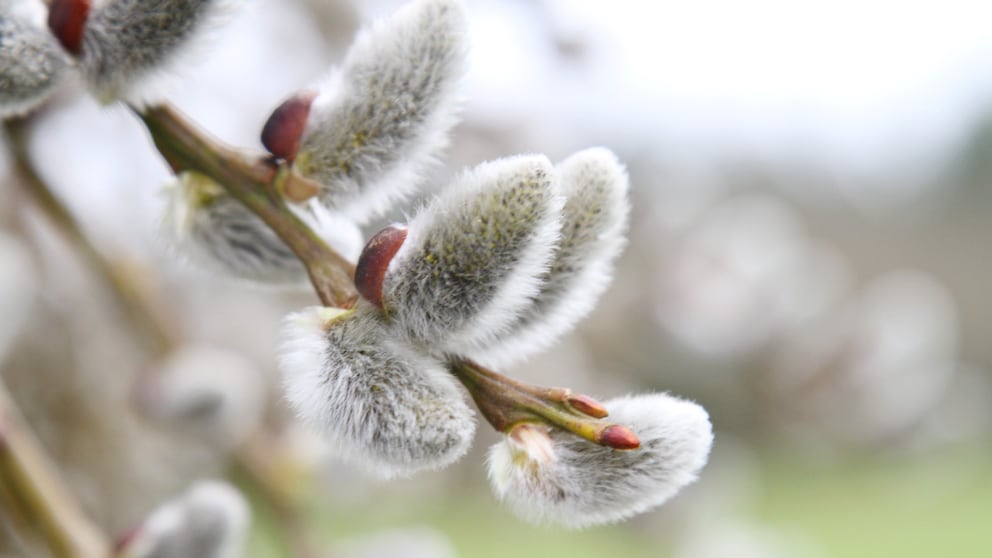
(262, 186)
(506, 402)
(124, 296)
(32, 488)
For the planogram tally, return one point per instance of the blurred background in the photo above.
(811, 184)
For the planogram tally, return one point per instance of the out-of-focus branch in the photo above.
(32, 491)
(156, 336)
(127, 299)
(261, 186)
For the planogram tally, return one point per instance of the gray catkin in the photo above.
(212, 229)
(475, 255)
(593, 226)
(31, 64)
(225, 235)
(588, 484)
(125, 40)
(377, 123)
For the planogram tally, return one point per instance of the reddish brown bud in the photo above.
(375, 258)
(619, 437)
(587, 406)
(283, 130)
(67, 20)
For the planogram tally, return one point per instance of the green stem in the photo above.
(506, 402)
(127, 298)
(261, 185)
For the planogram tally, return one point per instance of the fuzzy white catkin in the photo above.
(31, 63)
(126, 43)
(593, 227)
(474, 257)
(378, 122)
(584, 484)
(213, 394)
(214, 230)
(209, 520)
(386, 407)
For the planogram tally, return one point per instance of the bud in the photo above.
(67, 21)
(210, 520)
(217, 232)
(474, 257)
(584, 484)
(216, 395)
(371, 268)
(282, 131)
(587, 406)
(384, 405)
(127, 43)
(594, 222)
(31, 63)
(377, 123)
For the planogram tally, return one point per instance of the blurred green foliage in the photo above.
(939, 505)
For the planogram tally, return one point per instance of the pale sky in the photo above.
(860, 84)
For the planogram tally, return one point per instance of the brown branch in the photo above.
(260, 185)
(32, 489)
(506, 402)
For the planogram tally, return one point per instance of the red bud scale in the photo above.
(371, 268)
(283, 130)
(67, 20)
(619, 437)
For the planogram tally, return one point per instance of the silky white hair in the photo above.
(383, 405)
(584, 484)
(378, 122)
(131, 46)
(475, 255)
(593, 229)
(214, 230)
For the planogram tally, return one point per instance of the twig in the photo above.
(506, 402)
(260, 185)
(152, 332)
(32, 488)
